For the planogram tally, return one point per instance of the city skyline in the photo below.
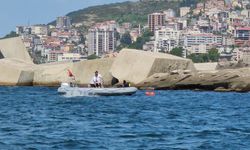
(14, 13)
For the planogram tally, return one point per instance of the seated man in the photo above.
(126, 84)
(96, 81)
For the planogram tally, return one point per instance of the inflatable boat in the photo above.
(66, 89)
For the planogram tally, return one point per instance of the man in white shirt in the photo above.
(97, 80)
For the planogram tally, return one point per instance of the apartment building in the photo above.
(155, 19)
(101, 41)
(63, 22)
(166, 39)
(184, 11)
(202, 38)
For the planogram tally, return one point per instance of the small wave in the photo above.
(79, 94)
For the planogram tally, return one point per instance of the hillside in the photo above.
(134, 12)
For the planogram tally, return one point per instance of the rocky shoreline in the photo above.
(142, 69)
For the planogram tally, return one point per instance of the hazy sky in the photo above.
(22, 12)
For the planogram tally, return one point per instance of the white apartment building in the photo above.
(70, 57)
(40, 30)
(202, 38)
(53, 56)
(101, 41)
(63, 22)
(155, 20)
(166, 39)
(197, 49)
(200, 42)
(184, 11)
(170, 13)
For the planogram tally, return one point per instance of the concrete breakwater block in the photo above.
(136, 65)
(15, 72)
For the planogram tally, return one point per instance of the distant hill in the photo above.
(134, 12)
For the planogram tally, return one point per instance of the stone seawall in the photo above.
(142, 69)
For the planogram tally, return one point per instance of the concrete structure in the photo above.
(155, 19)
(136, 65)
(14, 48)
(205, 66)
(16, 72)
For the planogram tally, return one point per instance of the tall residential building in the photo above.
(40, 30)
(166, 39)
(63, 22)
(101, 41)
(170, 13)
(155, 19)
(184, 11)
(208, 39)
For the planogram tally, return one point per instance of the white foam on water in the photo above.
(79, 93)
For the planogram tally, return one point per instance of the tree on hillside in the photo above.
(10, 35)
(178, 51)
(213, 55)
(126, 39)
(142, 40)
(93, 56)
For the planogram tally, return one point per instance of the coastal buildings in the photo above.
(101, 40)
(201, 42)
(242, 36)
(196, 28)
(170, 13)
(154, 20)
(40, 30)
(202, 38)
(166, 39)
(63, 22)
(70, 57)
(184, 11)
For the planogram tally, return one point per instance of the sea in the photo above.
(38, 118)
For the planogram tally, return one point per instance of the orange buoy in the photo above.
(150, 93)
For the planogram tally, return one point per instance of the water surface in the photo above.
(39, 118)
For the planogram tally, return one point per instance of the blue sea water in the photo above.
(39, 118)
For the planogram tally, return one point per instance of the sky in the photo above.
(24, 12)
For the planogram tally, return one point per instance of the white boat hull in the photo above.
(67, 90)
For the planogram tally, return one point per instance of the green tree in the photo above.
(93, 56)
(213, 55)
(197, 58)
(178, 51)
(126, 39)
(10, 35)
(82, 39)
(142, 40)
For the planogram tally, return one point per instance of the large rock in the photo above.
(52, 74)
(136, 65)
(55, 73)
(84, 70)
(221, 80)
(14, 48)
(16, 72)
(206, 66)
